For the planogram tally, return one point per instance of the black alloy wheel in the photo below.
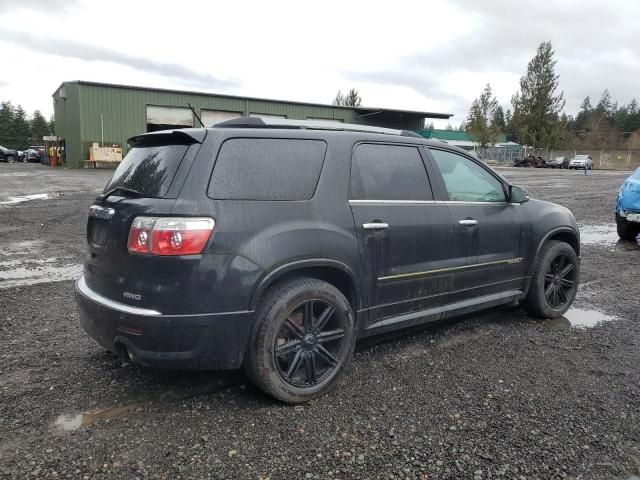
(302, 340)
(308, 343)
(554, 282)
(559, 281)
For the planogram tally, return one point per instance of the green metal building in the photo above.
(87, 112)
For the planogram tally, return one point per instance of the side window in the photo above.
(388, 172)
(465, 180)
(267, 169)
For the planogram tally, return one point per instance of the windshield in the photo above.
(148, 170)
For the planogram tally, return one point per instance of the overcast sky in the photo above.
(426, 56)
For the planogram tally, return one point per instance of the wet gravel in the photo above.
(496, 395)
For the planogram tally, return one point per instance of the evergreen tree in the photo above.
(6, 125)
(351, 99)
(21, 130)
(39, 128)
(537, 105)
(605, 106)
(481, 123)
(499, 119)
(52, 125)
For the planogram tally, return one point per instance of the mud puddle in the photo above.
(27, 198)
(70, 422)
(606, 235)
(18, 274)
(579, 318)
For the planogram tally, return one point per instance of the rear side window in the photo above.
(148, 169)
(267, 169)
(388, 172)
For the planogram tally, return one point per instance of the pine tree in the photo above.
(6, 125)
(481, 123)
(52, 125)
(605, 105)
(351, 99)
(39, 128)
(499, 120)
(537, 106)
(21, 130)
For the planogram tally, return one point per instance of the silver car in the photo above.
(582, 162)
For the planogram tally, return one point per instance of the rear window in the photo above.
(267, 169)
(148, 169)
(388, 172)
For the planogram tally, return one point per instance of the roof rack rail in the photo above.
(283, 123)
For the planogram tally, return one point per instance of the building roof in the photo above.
(362, 111)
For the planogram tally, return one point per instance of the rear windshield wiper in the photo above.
(130, 191)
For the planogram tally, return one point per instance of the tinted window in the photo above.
(467, 181)
(148, 169)
(388, 172)
(267, 169)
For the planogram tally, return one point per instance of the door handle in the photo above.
(375, 226)
(469, 222)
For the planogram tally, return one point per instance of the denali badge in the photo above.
(132, 296)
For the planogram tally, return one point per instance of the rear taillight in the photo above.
(169, 236)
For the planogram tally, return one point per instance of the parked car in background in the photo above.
(8, 155)
(628, 208)
(34, 154)
(275, 244)
(558, 162)
(21, 156)
(581, 161)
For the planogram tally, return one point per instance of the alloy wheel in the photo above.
(309, 343)
(560, 281)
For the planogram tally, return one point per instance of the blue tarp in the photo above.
(629, 194)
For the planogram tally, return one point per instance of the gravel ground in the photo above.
(496, 395)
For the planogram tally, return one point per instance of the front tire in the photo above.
(555, 281)
(302, 342)
(627, 231)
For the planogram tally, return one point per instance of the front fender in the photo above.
(549, 220)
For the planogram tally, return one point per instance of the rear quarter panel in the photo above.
(253, 238)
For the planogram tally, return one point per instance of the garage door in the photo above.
(320, 119)
(266, 115)
(211, 117)
(161, 118)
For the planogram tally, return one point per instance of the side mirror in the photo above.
(518, 194)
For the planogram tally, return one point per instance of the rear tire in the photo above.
(626, 231)
(302, 342)
(555, 281)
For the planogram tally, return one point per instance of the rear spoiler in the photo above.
(185, 135)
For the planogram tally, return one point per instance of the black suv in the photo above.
(274, 246)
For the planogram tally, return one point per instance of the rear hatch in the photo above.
(146, 183)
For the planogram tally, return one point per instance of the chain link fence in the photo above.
(603, 159)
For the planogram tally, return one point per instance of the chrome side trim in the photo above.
(375, 226)
(423, 202)
(509, 261)
(82, 287)
(393, 202)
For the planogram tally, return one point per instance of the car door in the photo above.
(402, 232)
(489, 233)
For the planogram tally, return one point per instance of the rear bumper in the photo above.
(191, 342)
